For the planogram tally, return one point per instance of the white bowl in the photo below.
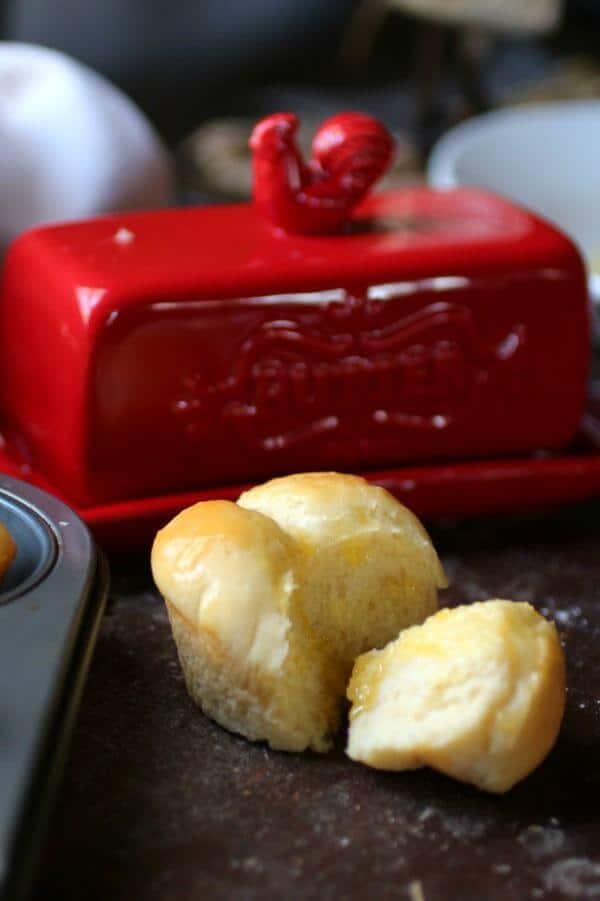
(546, 157)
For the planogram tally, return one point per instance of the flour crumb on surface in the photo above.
(426, 814)
(576, 877)
(502, 868)
(541, 841)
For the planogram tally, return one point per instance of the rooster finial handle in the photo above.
(350, 152)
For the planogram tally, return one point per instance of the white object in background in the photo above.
(72, 145)
(497, 15)
(545, 156)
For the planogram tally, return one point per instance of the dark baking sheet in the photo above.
(160, 804)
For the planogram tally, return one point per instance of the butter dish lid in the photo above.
(312, 226)
(224, 250)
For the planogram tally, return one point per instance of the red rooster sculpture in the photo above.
(350, 152)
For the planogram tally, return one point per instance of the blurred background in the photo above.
(203, 69)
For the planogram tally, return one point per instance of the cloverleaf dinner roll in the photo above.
(271, 599)
(477, 692)
(370, 568)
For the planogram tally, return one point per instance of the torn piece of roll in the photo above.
(477, 692)
(267, 611)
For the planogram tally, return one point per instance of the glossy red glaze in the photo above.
(474, 488)
(350, 152)
(150, 354)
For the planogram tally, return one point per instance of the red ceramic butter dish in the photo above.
(152, 356)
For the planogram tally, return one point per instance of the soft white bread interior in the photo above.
(231, 581)
(369, 566)
(8, 550)
(477, 692)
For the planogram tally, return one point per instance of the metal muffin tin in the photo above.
(51, 601)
